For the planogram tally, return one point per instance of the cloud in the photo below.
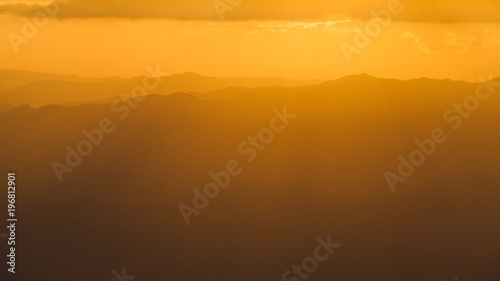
(446, 11)
(418, 44)
(459, 44)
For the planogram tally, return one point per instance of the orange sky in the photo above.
(296, 39)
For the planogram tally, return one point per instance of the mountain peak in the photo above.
(355, 78)
(192, 74)
(358, 77)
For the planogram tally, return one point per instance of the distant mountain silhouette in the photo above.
(191, 82)
(12, 78)
(363, 77)
(235, 92)
(38, 89)
(41, 93)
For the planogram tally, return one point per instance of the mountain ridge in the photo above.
(74, 90)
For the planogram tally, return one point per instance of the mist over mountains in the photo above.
(26, 87)
(323, 174)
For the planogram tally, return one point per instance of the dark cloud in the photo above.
(447, 11)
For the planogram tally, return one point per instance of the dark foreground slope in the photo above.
(322, 175)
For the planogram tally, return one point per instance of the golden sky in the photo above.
(296, 39)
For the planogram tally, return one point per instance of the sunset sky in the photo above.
(294, 39)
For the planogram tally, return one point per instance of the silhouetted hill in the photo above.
(191, 82)
(57, 92)
(363, 77)
(234, 92)
(38, 89)
(12, 78)
(322, 175)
